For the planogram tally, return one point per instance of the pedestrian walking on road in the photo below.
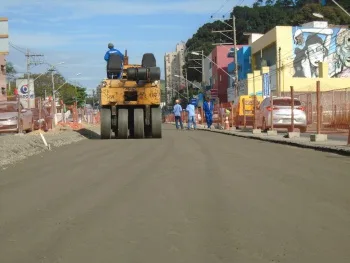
(191, 116)
(208, 107)
(177, 112)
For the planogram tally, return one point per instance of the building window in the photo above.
(220, 78)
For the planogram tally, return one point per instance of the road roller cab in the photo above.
(114, 66)
(130, 104)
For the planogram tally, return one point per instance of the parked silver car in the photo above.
(9, 117)
(282, 114)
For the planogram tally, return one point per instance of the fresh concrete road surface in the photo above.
(192, 197)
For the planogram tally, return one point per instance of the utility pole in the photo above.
(203, 76)
(53, 97)
(31, 59)
(201, 67)
(28, 84)
(236, 61)
(76, 93)
(279, 72)
(198, 67)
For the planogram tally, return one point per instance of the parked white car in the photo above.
(282, 114)
(9, 117)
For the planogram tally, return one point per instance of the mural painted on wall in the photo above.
(314, 45)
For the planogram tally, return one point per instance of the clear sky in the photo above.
(77, 31)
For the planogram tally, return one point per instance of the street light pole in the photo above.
(65, 83)
(53, 97)
(54, 93)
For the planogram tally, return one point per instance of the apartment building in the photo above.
(4, 49)
(169, 63)
(173, 64)
(2, 78)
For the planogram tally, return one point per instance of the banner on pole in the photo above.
(266, 85)
(26, 92)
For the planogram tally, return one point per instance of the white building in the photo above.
(173, 64)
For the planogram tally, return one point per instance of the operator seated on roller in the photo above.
(113, 51)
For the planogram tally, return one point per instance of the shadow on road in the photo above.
(89, 134)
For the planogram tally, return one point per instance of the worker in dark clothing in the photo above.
(112, 50)
(208, 107)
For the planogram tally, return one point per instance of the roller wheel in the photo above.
(156, 123)
(123, 124)
(139, 124)
(106, 127)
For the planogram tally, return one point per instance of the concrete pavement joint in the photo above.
(338, 149)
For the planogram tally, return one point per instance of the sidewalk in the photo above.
(331, 145)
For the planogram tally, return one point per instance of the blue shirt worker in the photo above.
(177, 112)
(208, 107)
(112, 50)
(191, 116)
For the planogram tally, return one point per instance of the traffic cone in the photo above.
(227, 124)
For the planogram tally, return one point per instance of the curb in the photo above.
(345, 150)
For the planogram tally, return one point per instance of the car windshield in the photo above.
(286, 102)
(8, 107)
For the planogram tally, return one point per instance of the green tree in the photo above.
(10, 70)
(43, 83)
(70, 93)
(10, 76)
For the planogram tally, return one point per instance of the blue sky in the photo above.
(77, 31)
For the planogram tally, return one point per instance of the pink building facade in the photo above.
(219, 79)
